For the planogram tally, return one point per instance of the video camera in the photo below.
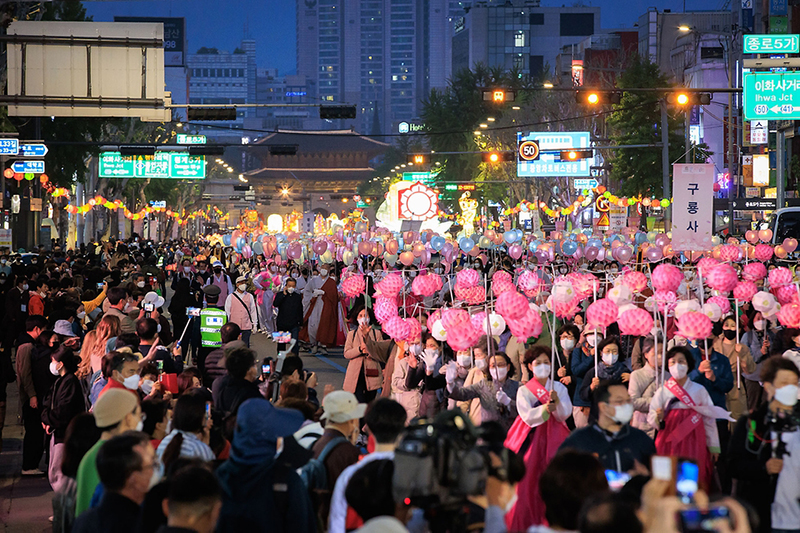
(782, 423)
(275, 375)
(439, 464)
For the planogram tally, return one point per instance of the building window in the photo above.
(577, 24)
(537, 19)
(519, 62)
(712, 52)
(519, 39)
(537, 64)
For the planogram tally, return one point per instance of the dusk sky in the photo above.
(221, 23)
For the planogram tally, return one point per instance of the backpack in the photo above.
(314, 474)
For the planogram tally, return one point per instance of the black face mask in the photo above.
(218, 270)
(730, 334)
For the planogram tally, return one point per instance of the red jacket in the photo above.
(35, 304)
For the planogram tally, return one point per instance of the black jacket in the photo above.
(290, 311)
(230, 392)
(114, 513)
(616, 452)
(63, 402)
(212, 368)
(43, 379)
(748, 453)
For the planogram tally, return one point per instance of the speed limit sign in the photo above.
(529, 150)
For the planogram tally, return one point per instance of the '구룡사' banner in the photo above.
(692, 206)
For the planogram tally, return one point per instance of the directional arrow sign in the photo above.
(33, 150)
(585, 183)
(9, 146)
(771, 95)
(35, 167)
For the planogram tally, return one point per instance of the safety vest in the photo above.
(211, 321)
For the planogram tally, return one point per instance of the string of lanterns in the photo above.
(584, 200)
(181, 217)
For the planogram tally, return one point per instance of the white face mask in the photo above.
(654, 332)
(131, 382)
(323, 273)
(82, 315)
(541, 371)
(242, 287)
(127, 308)
(290, 290)
(363, 321)
(499, 373)
(431, 352)
(591, 340)
(140, 284)
(480, 364)
(678, 371)
(610, 358)
(464, 360)
(623, 413)
(567, 344)
(24, 286)
(282, 270)
(787, 395)
(187, 269)
(54, 368)
(139, 425)
(415, 349)
(147, 386)
(760, 325)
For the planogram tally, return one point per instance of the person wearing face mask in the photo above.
(767, 473)
(683, 407)
(426, 369)
(61, 404)
(759, 339)
(741, 361)
(221, 279)
(119, 306)
(16, 302)
(190, 432)
(480, 365)
(610, 438)
(580, 362)
(128, 469)
(497, 392)
(643, 384)
(241, 309)
(609, 367)
(122, 370)
(321, 314)
(115, 413)
(409, 398)
(568, 336)
(463, 366)
(543, 406)
(289, 304)
(363, 377)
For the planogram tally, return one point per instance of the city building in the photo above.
(384, 56)
(597, 60)
(519, 34)
(288, 90)
(221, 77)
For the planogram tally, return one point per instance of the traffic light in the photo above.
(575, 155)
(417, 159)
(497, 157)
(206, 149)
(337, 111)
(687, 98)
(498, 96)
(211, 113)
(594, 97)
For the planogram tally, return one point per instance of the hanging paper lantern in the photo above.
(501, 286)
(722, 302)
(468, 277)
(763, 252)
(390, 286)
(754, 271)
(789, 315)
(512, 305)
(635, 281)
(706, 265)
(385, 309)
(502, 275)
(785, 294)
(694, 326)
(667, 277)
(779, 277)
(601, 313)
(722, 278)
(636, 322)
(745, 290)
(415, 329)
(666, 300)
(687, 306)
(424, 285)
(529, 283)
(453, 317)
(353, 286)
(530, 325)
(729, 253)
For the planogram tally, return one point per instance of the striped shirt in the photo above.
(191, 446)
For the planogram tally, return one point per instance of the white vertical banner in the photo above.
(692, 206)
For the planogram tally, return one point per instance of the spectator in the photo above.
(157, 415)
(38, 297)
(342, 412)
(127, 467)
(190, 433)
(618, 446)
(289, 304)
(33, 442)
(478, 373)
(758, 338)
(497, 392)
(95, 345)
(65, 401)
(643, 384)
(385, 420)
(240, 307)
(741, 361)
(580, 362)
(119, 306)
(260, 493)
(215, 361)
(363, 376)
(568, 336)
(408, 398)
(238, 385)
(151, 350)
(121, 369)
(115, 412)
(81, 435)
(370, 495)
(193, 503)
(610, 368)
(608, 514)
(767, 473)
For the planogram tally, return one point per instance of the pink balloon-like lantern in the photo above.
(667, 277)
(722, 278)
(754, 271)
(512, 305)
(694, 326)
(636, 322)
(601, 313)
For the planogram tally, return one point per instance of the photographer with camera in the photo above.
(764, 452)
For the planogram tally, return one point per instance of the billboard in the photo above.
(549, 163)
(174, 37)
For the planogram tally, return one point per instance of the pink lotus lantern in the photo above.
(479, 321)
(415, 330)
(530, 325)
(397, 328)
(763, 252)
(451, 318)
(468, 278)
(706, 265)
(390, 286)
(424, 285)
(601, 313)
(635, 281)
(636, 322)
(785, 294)
(789, 315)
(502, 275)
(754, 271)
(729, 253)
(477, 295)
(463, 336)
(385, 309)
(745, 290)
(666, 300)
(529, 283)
(723, 303)
(512, 305)
(722, 278)
(779, 277)
(694, 326)
(501, 286)
(433, 317)
(354, 286)
(667, 277)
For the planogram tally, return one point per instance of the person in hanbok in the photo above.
(265, 295)
(543, 407)
(321, 311)
(409, 398)
(685, 416)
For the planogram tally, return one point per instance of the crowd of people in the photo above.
(140, 390)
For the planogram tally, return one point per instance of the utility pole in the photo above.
(665, 161)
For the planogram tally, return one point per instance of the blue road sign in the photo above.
(21, 167)
(9, 146)
(33, 150)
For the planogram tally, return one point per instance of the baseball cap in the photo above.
(341, 406)
(112, 406)
(216, 263)
(241, 279)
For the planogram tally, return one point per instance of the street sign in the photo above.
(33, 150)
(162, 165)
(549, 164)
(755, 204)
(160, 204)
(423, 177)
(583, 183)
(529, 150)
(34, 167)
(772, 44)
(184, 138)
(9, 146)
(752, 192)
(758, 132)
(601, 204)
(772, 95)
(760, 170)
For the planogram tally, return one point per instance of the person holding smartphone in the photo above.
(289, 304)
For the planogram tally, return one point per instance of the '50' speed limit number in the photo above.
(529, 150)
